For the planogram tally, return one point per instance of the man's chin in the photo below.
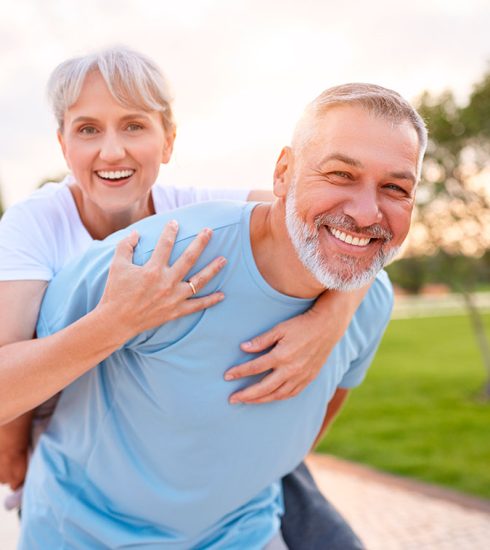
(350, 275)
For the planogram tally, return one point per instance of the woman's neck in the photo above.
(100, 223)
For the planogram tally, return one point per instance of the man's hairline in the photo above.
(316, 113)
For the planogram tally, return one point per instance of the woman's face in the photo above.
(113, 151)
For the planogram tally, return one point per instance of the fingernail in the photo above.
(247, 344)
(222, 261)
(234, 400)
(228, 376)
(207, 231)
(174, 224)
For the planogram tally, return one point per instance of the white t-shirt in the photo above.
(39, 235)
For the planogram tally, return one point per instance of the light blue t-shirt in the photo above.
(144, 450)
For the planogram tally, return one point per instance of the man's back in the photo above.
(148, 437)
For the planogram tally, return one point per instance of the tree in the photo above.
(453, 212)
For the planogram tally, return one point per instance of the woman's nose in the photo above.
(112, 148)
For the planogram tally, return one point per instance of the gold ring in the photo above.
(193, 288)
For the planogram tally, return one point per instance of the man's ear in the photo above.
(168, 146)
(282, 172)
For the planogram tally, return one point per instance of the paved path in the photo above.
(389, 513)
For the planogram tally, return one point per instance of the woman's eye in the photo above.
(134, 126)
(88, 130)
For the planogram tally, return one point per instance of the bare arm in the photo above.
(299, 348)
(31, 371)
(333, 410)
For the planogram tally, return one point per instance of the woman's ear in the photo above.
(168, 145)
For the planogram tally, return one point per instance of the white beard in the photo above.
(348, 275)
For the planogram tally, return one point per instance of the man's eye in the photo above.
(339, 174)
(88, 130)
(397, 188)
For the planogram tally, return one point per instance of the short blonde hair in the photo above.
(131, 77)
(379, 101)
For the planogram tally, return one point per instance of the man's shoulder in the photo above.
(215, 215)
(375, 310)
(382, 289)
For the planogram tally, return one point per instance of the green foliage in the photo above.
(453, 208)
(475, 115)
(418, 413)
(456, 271)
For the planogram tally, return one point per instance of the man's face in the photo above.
(349, 195)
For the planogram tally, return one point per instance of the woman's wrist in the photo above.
(112, 325)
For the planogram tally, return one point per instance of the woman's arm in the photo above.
(298, 347)
(134, 300)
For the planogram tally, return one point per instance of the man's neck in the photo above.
(275, 255)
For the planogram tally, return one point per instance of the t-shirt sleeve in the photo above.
(23, 255)
(375, 317)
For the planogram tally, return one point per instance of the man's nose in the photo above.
(363, 207)
(112, 147)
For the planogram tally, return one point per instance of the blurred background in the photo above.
(241, 73)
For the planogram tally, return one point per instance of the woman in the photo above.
(115, 129)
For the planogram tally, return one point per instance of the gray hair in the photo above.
(379, 101)
(131, 77)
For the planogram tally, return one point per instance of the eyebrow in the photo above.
(129, 116)
(404, 175)
(342, 158)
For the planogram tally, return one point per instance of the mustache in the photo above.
(342, 221)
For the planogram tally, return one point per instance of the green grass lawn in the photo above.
(418, 413)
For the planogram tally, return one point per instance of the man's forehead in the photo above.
(354, 135)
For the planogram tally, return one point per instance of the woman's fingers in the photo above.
(125, 248)
(254, 366)
(163, 249)
(197, 304)
(261, 390)
(284, 391)
(188, 258)
(262, 341)
(152, 294)
(201, 279)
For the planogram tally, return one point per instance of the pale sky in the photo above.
(241, 70)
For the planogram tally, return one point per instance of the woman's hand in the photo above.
(14, 449)
(13, 467)
(143, 297)
(299, 349)
(135, 299)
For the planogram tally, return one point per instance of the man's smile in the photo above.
(348, 238)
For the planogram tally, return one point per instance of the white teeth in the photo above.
(349, 239)
(116, 175)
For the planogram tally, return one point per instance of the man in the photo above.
(145, 450)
